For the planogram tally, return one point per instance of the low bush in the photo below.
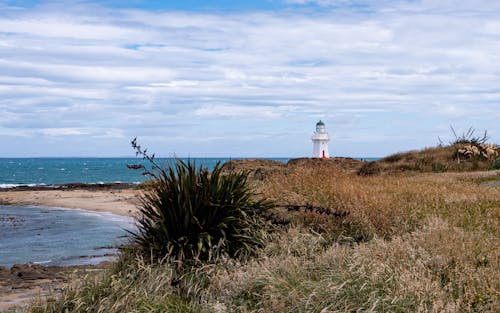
(496, 164)
(481, 151)
(191, 214)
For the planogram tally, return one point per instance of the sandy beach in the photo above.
(117, 201)
(19, 284)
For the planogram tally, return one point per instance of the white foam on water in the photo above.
(8, 185)
(103, 215)
(42, 262)
(4, 186)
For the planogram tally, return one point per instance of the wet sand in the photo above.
(117, 201)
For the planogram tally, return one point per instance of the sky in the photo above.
(245, 78)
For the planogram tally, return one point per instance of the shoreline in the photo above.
(68, 186)
(120, 199)
(23, 282)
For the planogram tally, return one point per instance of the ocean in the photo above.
(56, 236)
(55, 171)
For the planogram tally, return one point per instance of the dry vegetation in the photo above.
(457, 157)
(426, 242)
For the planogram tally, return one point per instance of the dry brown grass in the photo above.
(410, 243)
(436, 247)
(438, 268)
(436, 159)
(390, 205)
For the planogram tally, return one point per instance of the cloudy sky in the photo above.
(245, 78)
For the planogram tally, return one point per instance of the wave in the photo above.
(4, 186)
(42, 262)
(58, 186)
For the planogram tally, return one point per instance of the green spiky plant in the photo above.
(191, 214)
(468, 137)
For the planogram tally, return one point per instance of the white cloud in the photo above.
(243, 111)
(91, 132)
(64, 131)
(79, 71)
(53, 29)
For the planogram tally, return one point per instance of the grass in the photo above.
(419, 271)
(419, 242)
(133, 285)
(433, 160)
(387, 205)
(435, 247)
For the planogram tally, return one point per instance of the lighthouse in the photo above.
(320, 141)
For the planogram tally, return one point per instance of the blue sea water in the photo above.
(51, 171)
(55, 236)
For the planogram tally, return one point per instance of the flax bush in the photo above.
(192, 214)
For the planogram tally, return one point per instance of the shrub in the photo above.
(439, 167)
(481, 151)
(339, 229)
(496, 164)
(468, 137)
(370, 168)
(192, 214)
(393, 158)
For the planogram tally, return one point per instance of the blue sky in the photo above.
(245, 78)
(209, 5)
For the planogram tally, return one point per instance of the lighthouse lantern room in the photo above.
(320, 140)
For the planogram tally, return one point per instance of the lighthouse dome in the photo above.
(320, 127)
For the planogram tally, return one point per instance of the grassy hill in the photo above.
(458, 157)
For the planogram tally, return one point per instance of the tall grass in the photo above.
(428, 243)
(387, 205)
(438, 268)
(134, 284)
(434, 247)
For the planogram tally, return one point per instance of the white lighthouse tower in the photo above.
(320, 141)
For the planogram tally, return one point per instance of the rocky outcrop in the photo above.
(29, 272)
(22, 282)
